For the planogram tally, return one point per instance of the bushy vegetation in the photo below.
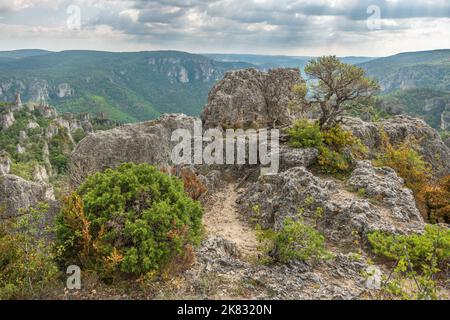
(432, 198)
(337, 147)
(78, 135)
(407, 162)
(134, 219)
(24, 169)
(419, 259)
(305, 134)
(27, 267)
(295, 241)
(192, 185)
(434, 201)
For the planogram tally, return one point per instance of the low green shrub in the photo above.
(407, 162)
(419, 258)
(295, 241)
(24, 169)
(134, 219)
(27, 267)
(340, 149)
(305, 134)
(337, 147)
(78, 135)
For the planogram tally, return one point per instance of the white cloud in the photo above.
(302, 27)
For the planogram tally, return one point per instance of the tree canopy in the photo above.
(336, 87)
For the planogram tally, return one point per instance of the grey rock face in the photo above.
(400, 129)
(38, 90)
(338, 279)
(64, 90)
(18, 195)
(384, 185)
(388, 206)
(252, 98)
(5, 163)
(7, 120)
(20, 149)
(147, 142)
(17, 104)
(46, 111)
(23, 136)
(283, 195)
(40, 174)
(32, 125)
(292, 157)
(51, 131)
(297, 191)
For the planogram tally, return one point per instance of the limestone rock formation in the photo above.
(5, 163)
(147, 142)
(32, 125)
(18, 195)
(23, 136)
(64, 90)
(40, 174)
(252, 98)
(7, 120)
(17, 104)
(298, 192)
(383, 184)
(47, 111)
(404, 129)
(291, 157)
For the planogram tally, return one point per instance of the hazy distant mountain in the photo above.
(425, 69)
(267, 61)
(416, 83)
(126, 86)
(18, 54)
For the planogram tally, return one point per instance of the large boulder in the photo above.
(401, 129)
(252, 99)
(273, 198)
(147, 142)
(18, 195)
(339, 213)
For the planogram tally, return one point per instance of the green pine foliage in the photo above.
(295, 241)
(305, 134)
(337, 147)
(418, 258)
(27, 267)
(134, 219)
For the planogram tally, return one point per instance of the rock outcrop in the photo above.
(18, 195)
(388, 205)
(252, 99)
(40, 174)
(7, 120)
(401, 129)
(147, 142)
(5, 163)
(47, 111)
(17, 103)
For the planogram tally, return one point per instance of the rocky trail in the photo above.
(223, 219)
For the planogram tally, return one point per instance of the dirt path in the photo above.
(222, 218)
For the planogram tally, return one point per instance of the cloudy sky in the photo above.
(287, 27)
